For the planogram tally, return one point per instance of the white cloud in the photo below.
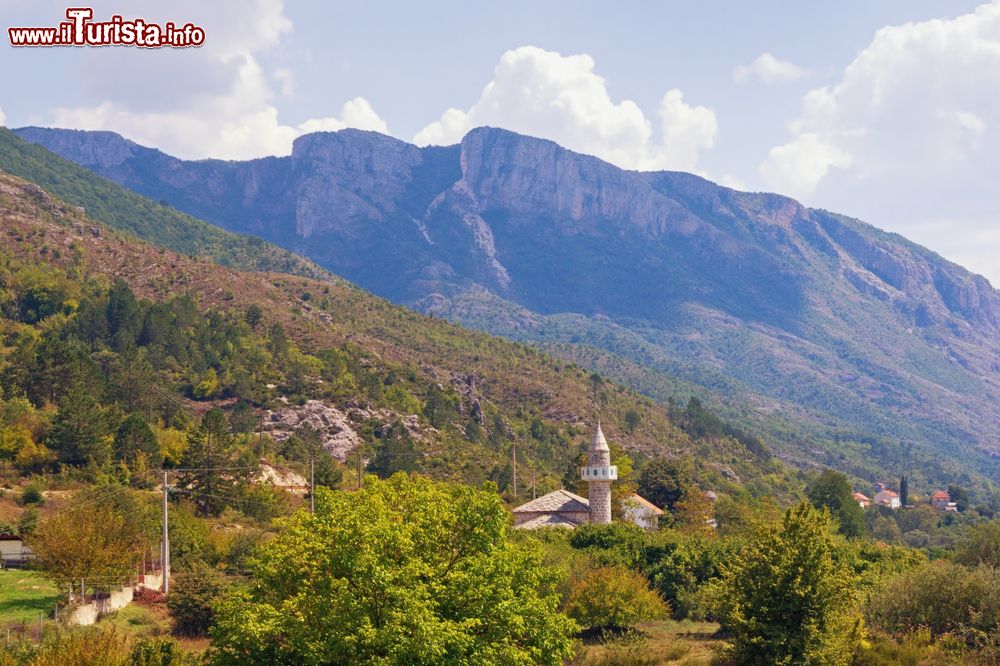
(546, 94)
(769, 69)
(907, 137)
(357, 113)
(225, 108)
(686, 130)
(796, 167)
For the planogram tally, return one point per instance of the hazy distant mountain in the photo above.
(833, 329)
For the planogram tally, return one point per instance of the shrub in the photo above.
(89, 647)
(980, 545)
(159, 652)
(617, 543)
(943, 597)
(192, 600)
(32, 494)
(612, 597)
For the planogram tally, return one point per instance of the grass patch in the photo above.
(653, 644)
(23, 594)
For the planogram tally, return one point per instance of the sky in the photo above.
(885, 110)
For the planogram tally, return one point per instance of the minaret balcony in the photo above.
(599, 473)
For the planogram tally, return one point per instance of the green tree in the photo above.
(80, 429)
(135, 439)
(960, 496)
(193, 598)
(125, 316)
(102, 541)
(942, 598)
(612, 597)
(632, 420)
(309, 442)
(833, 491)
(209, 461)
(403, 571)
(904, 491)
(252, 315)
(395, 452)
(596, 382)
(663, 482)
(784, 599)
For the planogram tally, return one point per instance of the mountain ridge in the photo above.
(809, 309)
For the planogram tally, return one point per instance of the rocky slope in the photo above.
(823, 324)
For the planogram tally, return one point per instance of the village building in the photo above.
(887, 498)
(642, 512)
(863, 500)
(561, 508)
(941, 500)
(13, 551)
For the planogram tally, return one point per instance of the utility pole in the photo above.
(513, 464)
(165, 554)
(532, 484)
(312, 484)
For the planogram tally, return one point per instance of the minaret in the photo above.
(599, 473)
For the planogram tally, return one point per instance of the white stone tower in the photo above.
(599, 473)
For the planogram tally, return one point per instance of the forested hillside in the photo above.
(850, 346)
(99, 325)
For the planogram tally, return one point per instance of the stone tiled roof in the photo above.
(641, 501)
(558, 501)
(547, 520)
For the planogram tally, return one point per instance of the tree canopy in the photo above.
(403, 571)
(785, 599)
(833, 491)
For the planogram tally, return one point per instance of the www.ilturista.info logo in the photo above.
(80, 30)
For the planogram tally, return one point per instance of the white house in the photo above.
(642, 512)
(887, 498)
(13, 552)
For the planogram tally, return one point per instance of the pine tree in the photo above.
(904, 491)
(134, 439)
(80, 430)
(210, 452)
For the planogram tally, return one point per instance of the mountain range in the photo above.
(849, 346)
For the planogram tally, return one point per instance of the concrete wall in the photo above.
(87, 614)
(153, 581)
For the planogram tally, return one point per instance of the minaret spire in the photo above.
(599, 473)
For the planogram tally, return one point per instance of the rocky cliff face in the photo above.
(812, 312)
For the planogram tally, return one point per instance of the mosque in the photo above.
(562, 508)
